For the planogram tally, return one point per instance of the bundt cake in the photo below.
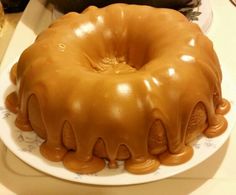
(124, 82)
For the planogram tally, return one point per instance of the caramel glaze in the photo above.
(124, 82)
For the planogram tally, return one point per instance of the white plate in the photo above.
(25, 145)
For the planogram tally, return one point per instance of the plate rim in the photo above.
(7, 59)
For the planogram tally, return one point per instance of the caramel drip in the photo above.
(142, 167)
(223, 107)
(11, 102)
(168, 158)
(216, 129)
(110, 74)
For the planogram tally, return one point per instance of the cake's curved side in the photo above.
(100, 91)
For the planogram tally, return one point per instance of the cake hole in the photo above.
(114, 65)
(118, 52)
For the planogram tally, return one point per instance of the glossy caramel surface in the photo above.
(117, 74)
